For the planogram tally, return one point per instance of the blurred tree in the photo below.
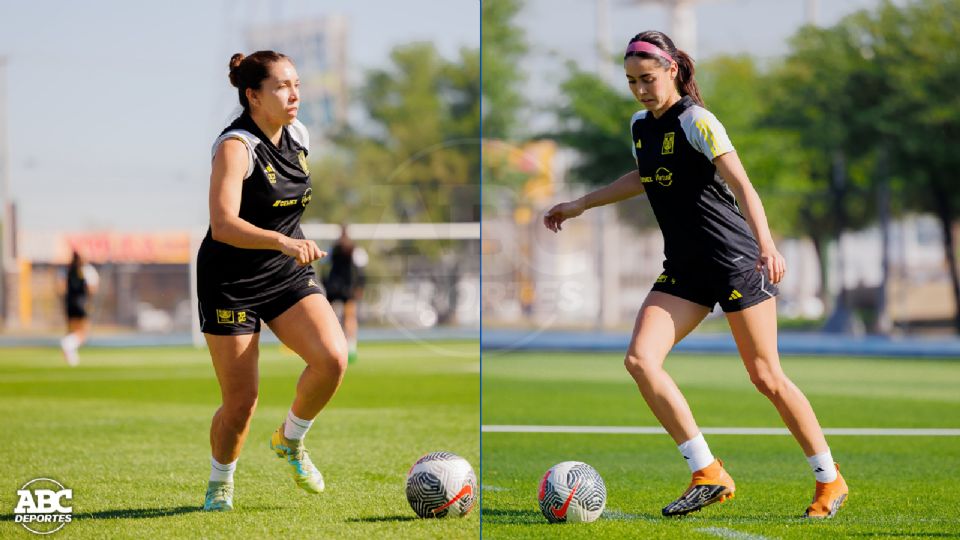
(873, 100)
(504, 46)
(594, 120)
(812, 94)
(776, 163)
(916, 48)
(416, 161)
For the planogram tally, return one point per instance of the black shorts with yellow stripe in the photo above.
(225, 313)
(734, 292)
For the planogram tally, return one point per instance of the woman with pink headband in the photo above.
(718, 249)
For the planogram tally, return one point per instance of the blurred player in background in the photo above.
(79, 284)
(344, 283)
(715, 253)
(254, 266)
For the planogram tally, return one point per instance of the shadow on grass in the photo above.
(513, 517)
(128, 513)
(381, 519)
(907, 534)
(532, 517)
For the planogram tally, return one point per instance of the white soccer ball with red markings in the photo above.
(441, 484)
(572, 492)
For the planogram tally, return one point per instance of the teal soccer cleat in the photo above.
(304, 473)
(219, 497)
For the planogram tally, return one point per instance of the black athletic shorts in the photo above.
(76, 310)
(339, 291)
(734, 292)
(230, 314)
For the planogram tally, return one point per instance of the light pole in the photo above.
(812, 11)
(683, 22)
(6, 219)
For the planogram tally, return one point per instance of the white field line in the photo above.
(656, 430)
(723, 532)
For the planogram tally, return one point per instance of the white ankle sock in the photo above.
(70, 341)
(823, 467)
(696, 452)
(220, 472)
(295, 428)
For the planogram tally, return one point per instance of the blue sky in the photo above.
(112, 104)
(560, 30)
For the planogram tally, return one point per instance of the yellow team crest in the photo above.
(228, 316)
(225, 316)
(638, 144)
(667, 143)
(271, 173)
(303, 162)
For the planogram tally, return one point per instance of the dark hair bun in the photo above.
(235, 61)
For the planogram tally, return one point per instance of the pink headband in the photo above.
(650, 48)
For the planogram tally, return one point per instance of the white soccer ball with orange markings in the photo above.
(441, 484)
(572, 492)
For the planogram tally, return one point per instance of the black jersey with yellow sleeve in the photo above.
(697, 213)
(276, 190)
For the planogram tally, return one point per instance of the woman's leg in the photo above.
(79, 327)
(350, 325)
(310, 328)
(76, 336)
(662, 322)
(755, 332)
(235, 362)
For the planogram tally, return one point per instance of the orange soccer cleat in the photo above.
(709, 485)
(828, 498)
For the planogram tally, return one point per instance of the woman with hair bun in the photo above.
(718, 249)
(254, 266)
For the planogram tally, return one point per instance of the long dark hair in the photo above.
(686, 84)
(75, 268)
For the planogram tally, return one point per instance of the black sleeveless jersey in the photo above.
(276, 190)
(702, 226)
(77, 289)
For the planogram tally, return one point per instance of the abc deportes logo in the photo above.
(41, 507)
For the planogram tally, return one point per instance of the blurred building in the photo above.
(318, 47)
(144, 278)
(598, 270)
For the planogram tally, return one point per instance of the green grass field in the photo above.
(128, 432)
(903, 487)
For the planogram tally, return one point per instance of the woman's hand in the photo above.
(304, 251)
(555, 217)
(773, 263)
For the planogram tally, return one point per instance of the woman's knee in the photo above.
(238, 408)
(769, 383)
(330, 358)
(641, 363)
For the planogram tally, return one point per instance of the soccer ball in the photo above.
(572, 491)
(441, 484)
